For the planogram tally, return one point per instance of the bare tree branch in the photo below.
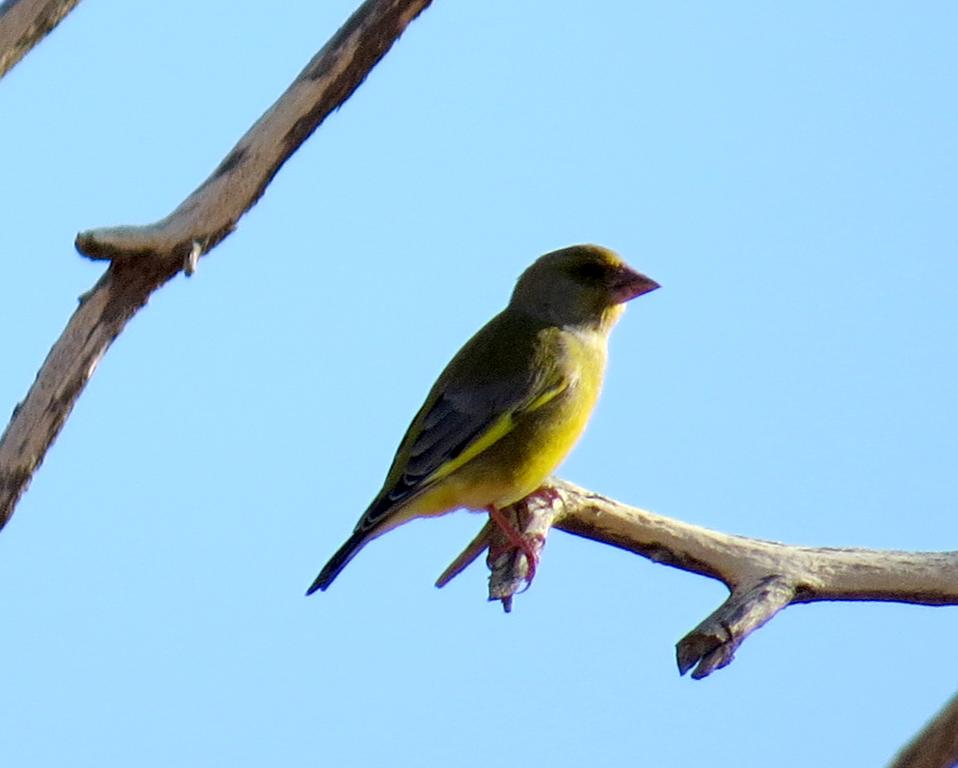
(936, 745)
(145, 258)
(210, 213)
(24, 23)
(763, 576)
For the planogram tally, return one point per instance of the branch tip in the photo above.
(116, 243)
(713, 643)
(465, 558)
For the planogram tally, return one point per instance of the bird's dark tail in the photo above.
(339, 561)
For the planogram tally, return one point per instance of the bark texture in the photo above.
(936, 745)
(24, 23)
(763, 577)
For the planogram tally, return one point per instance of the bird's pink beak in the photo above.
(627, 284)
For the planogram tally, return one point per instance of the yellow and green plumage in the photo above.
(512, 403)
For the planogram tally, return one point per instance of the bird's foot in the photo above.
(515, 536)
(528, 544)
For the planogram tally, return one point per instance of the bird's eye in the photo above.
(590, 272)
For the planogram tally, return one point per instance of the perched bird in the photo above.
(511, 404)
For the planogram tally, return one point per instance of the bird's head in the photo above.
(583, 285)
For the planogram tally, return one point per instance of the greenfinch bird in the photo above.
(511, 404)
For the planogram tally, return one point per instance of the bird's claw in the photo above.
(527, 545)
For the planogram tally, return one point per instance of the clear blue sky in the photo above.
(787, 172)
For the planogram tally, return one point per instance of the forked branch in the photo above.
(763, 577)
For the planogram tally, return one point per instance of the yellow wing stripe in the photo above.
(499, 429)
